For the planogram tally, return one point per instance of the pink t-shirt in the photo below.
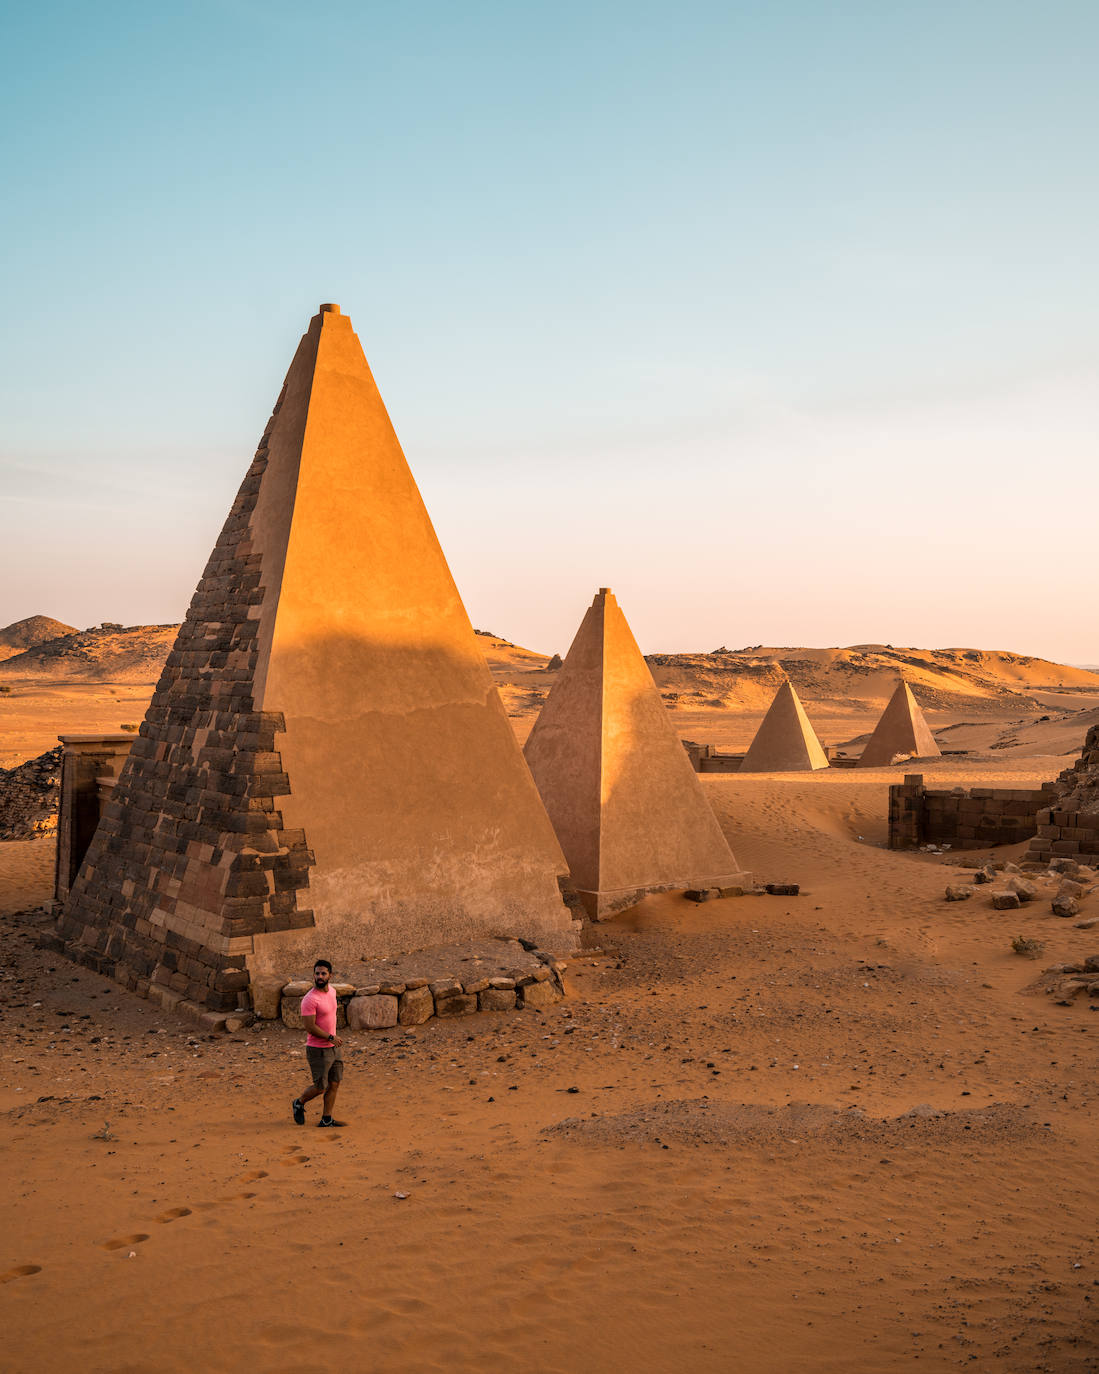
(322, 1005)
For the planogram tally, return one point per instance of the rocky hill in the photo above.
(104, 653)
(25, 634)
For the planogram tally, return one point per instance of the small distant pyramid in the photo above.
(902, 729)
(627, 806)
(785, 741)
(326, 767)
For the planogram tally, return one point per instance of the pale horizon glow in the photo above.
(781, 322)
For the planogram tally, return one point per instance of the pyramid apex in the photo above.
(329, 309)
(605, 591)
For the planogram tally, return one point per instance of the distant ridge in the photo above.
(103, 653)
(25, 634)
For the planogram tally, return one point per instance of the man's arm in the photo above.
(309, 1021)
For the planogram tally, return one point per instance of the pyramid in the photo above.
(627, 806)
(326, 767)
(902, 729)
(785, 741)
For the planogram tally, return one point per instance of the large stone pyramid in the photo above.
(785, 741)
(326, 767)
(901, 729)
(627, 806)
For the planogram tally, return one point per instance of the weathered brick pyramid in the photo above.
(1070, 827)
(326, 766)
(627, 806)
(902, 729)
(785, 741)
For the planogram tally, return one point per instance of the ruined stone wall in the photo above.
(190, 859)
(963, 819)
(1070, 826)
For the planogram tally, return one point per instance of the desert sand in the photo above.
(828, 1132)
(831, 1132)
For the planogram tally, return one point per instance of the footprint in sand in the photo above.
(253, 1175)
(174, 1214)
(21, 1271)
(296, 1159)
(122, 1241)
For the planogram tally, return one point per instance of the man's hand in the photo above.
(337, 1041)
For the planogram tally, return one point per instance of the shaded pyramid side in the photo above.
(901, 729)
(628, 808)
(785, 741)
(392, 783)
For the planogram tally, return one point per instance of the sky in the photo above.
(782, 320)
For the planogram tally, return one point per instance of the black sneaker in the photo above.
(330, 1121)
(298, 1109)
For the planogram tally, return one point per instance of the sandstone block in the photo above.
(392, 989)
(290, 1011)
(1065, 905)
(416, 1006)
(411, 984)
(266, 994)
(1005, 901)
(496, 999)
(1069, 867)
(983, 875)
(238, 1020)
(956, 892)
(783, 889)
(455, 1003)
(538, 995)
(501, 983)
(1023, 888)
(372, 1013)
(475, 985)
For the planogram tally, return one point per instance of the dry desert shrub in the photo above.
(1030, 949)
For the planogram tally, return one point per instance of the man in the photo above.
(322, 1046)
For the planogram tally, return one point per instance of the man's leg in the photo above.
(330, 1095)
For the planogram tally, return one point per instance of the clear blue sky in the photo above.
(781, 319)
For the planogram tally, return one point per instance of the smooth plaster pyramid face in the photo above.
(627, 806)
(785, 741)
(326, 766)
(902, 729)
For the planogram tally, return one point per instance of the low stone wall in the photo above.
(1071, 834)
(706, 759)
(380, 1006)
(963, 819)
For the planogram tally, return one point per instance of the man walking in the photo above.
(322, 1046)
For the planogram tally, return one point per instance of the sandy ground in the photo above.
(701, 1161)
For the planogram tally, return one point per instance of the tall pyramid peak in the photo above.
(326, 765)
(785, 741)
(901, 729)
(627, 806)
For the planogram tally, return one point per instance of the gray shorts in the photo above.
(325, 1064)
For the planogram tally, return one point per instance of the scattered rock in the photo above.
(956, 892)
(1005, 901)
(1065, 906)
(1023, 888)
(783, 889)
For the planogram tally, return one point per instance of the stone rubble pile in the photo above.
(410, 1000)
(1065, 982)
(1064, 881)
(29, 796)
